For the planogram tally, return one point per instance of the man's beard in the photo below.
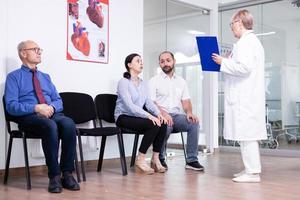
(167, 69)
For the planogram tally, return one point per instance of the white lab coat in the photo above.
(244, 90)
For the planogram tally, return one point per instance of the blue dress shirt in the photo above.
(20, 97)
(132, 98)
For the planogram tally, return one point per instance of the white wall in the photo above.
(45, 22)
(3, 35)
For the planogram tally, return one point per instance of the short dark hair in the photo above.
(169, 52)
(128, 60)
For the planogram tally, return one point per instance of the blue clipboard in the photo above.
(207, 45)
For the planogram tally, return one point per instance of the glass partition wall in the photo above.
(173, 26)
(277, 25)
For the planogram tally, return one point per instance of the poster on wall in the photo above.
(87, 30)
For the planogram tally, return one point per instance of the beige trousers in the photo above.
(251, 156)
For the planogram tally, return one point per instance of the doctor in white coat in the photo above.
(244, 90)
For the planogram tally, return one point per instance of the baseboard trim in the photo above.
(42, 169)
(265, 152)
(90, 164)
(179, 146)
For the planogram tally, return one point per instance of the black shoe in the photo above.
(55, 185)
(163, 163)
(194, 166)
(69, 182)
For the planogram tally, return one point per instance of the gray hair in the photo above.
(246, 18)
(21, 46)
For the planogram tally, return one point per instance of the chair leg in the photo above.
(134, 149)
(183, 146)
(101, 153)
(122, 154)
(8, 160)
(77, 168)
(166, 155)
(26, 163)
(122, 140)
(81, 156)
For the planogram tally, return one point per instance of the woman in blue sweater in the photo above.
(129, 113)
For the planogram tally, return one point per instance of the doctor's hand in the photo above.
(217, 58)
(192, 118)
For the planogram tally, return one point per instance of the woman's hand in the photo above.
(154, 120)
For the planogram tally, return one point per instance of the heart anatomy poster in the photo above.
(88, 30)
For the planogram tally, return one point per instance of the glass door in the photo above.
(173, 26)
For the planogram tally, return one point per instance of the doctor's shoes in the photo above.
(239, 174)
(194, 166)
(247, 178)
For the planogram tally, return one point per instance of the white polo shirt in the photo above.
(168, 92)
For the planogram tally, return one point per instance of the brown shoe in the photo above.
(158, 167)
(142, 167)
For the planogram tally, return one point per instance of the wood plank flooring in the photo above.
(280, 181)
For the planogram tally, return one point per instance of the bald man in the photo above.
(32, 98)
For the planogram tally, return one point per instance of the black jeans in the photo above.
(153, 134)
(51, 130)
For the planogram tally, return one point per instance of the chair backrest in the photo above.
(105, 106)
(8, 117)
(78, 106)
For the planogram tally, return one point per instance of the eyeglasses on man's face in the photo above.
(35, 49)
(231, 24)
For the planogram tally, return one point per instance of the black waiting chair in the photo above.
(111, 99)
(81, 108)
(135, 143)
(105, 107)
(18, 133)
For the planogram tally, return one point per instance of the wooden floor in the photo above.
(280, 180)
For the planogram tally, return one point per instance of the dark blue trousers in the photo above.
(51, 130)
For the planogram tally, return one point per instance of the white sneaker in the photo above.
(247, 178)
(239, 174)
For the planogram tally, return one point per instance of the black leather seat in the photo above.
(81, 108)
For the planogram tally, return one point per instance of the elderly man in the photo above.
(31, 96)
(169, 91)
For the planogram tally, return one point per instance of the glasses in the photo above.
(35, 49)
(233, 22)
